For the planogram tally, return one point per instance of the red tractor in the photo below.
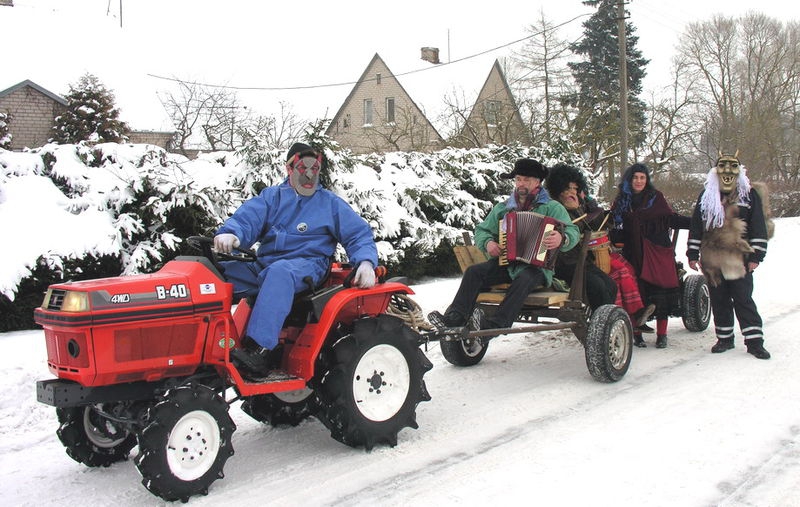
(145, 360)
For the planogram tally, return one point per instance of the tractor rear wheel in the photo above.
(186, 443)
(373, 383)
(609, 343)
(288, 408)
(92, 439)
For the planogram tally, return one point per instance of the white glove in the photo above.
(365, 275)
(225, 242)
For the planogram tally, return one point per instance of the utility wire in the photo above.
(331, 85)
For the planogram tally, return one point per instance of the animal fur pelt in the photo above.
(723, 249)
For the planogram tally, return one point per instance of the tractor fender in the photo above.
(344, 307)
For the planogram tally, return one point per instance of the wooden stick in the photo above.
(604, 222)
(579, 218)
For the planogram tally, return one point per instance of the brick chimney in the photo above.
(430, 55)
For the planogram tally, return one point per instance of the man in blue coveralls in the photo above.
(298, 225)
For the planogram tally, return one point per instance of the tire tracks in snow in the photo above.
(386, 489)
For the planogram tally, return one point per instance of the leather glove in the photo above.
(365, 275)
(225, 242)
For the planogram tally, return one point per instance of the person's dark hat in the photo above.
(302, 149)
(527, 167)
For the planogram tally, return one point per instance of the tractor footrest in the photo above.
(272, 377)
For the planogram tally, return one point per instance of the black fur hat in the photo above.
(561, 175)
(527, 167)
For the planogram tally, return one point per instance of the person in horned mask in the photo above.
(727, 241)
(298, 225)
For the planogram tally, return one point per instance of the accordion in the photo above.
(522, 236)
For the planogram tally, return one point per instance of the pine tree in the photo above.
(597, 77)
(90, 116)
(5, 135)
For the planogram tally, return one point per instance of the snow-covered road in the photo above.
(528, 425)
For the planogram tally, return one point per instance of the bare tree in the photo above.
(671, 131)
(746, 76)
(539, 77)
(204, 116)
(272, 132)
(405, 131)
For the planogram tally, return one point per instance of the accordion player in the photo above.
(522, 236)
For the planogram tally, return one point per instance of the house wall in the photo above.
(507, 126)
(161, 139)
(33, 116)
(411, 130)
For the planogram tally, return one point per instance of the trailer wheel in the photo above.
(186, 444)
(373, 383)
(609, 343)
(282, 409)
(467, 352)
(696, 303)
(90, 438)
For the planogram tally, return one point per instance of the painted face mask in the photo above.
(304, 174)
(728, 172)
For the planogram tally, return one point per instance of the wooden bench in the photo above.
(468, 255)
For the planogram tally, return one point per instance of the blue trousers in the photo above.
(276, 285)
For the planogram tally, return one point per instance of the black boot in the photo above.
(251, 362)
(755, 346)
(453, 318)
(722, 345)
(644, 328)
(638, 341)
(661, 341)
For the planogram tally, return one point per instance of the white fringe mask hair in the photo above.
(711, 208)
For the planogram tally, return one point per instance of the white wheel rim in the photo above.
(294, 396)
(472, 347)
(381, 382)
(95, 436)
(705, 305)
(193, 445)
(618, 344)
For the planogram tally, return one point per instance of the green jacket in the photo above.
(489, 229)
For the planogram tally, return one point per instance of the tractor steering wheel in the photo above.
(205, 245)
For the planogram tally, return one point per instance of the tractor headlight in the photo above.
(75, 302)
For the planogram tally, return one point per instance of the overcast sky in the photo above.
(252, 44)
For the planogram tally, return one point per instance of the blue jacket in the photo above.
(290, 226)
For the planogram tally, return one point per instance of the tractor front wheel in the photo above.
(186, 443)
(92, 439)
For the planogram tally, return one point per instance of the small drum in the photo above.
(600, 246)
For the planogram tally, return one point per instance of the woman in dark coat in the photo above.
(641, 214)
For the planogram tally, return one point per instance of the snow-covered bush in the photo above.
(70, 211)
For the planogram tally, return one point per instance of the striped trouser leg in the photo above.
(746, 311)
(722, 308)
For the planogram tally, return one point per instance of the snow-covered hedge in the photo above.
(68, 209)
